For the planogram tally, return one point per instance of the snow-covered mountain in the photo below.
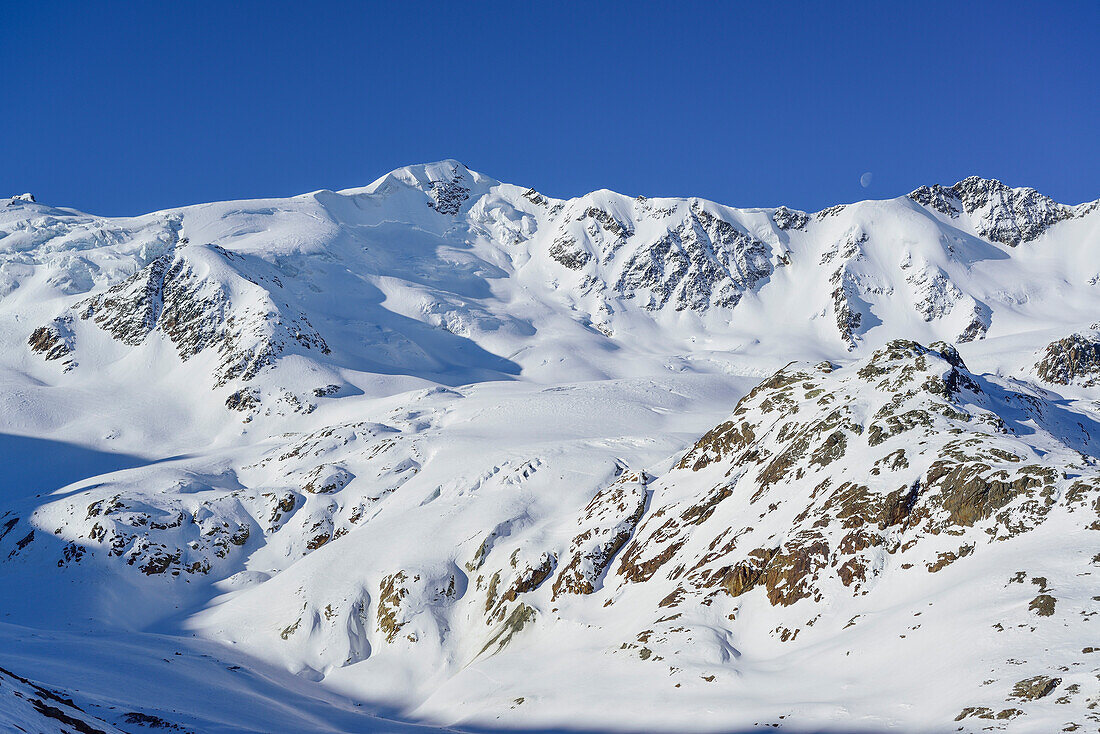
(450, 451)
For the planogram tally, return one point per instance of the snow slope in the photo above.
(449, 451)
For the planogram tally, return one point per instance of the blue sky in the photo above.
(122, 108)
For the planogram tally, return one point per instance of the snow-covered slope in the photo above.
(432, 446)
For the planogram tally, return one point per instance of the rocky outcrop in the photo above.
(187, 298)
(447, 196)
(882, 464)
(326, 479)
(569, 254)
(391, 593)
(1034, 688)
(1000, 214)
(696, 259)
(171, 538)
(1075, 359)
(785, 218)
(408, 602)
(851, 285)
(848, 317)
(183, 524)
(705, 261)
(55, 341)
(608, 522)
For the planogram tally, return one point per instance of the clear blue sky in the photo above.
(122, 108)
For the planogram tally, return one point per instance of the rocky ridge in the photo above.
(1010, 216)
(612, 258)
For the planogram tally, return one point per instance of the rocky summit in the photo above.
(443, 452)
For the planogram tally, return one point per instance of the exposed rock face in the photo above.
(608, 522)
(55, 341)
(848, 319)
(705, 261)
(447, 196)
(408, 602)
(245, 400)
(696, 262)
(1002, 214)
(849, 285)
(326, 479)
(938, 295)
(1075, 359)
(391, 593)
(566, 252)
(942, 199)
(178, 296)
(1034, 688)
(938, 298)
(515, 623)
(172, 537)
(790, 218)
(977, 326)
(186, 524)
(526, 570)
(881, 464)
(530, 577)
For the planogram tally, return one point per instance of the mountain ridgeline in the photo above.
(463, 452)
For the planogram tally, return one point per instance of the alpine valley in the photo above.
(447, 453)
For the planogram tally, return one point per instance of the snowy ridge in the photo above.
(621, 266)
(396, 443)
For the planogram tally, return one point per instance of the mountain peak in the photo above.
(424, 175)
(1010, 216)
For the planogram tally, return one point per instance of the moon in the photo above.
(865, 180)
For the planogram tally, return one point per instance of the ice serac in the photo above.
(464, 452)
